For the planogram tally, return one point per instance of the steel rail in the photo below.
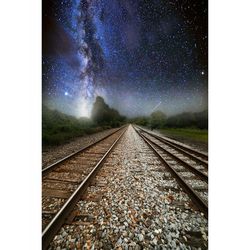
(47, 169)
(194, 196)
(55, 224)
(190, 167)
(181, 148)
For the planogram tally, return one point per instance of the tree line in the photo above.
(103, 115)
(159, 119)
(58, 128)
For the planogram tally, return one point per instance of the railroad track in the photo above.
(195, 155)
(118, 200)
(134, 183)
(75, 183)
(64, 182)
(47, 169)
(189, 170)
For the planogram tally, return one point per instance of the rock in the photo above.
(137, 247)
(156, 231)
(125, 233)
(169, 238)
(64, 234)
(132, 244)
(131, 235)
(119, 242)
(173, 244)
(148, 236)
(141, 237)
(107, 245)
(155, 241)
(204, 236)
(125, 246)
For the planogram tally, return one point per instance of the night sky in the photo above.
(141, 56)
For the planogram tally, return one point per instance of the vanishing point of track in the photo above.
(65, 182)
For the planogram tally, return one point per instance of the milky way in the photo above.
(138, 55)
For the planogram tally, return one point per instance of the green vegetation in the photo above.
(102, 114)
(193, 126)
(159, 120)
(188, 120)
(200, 135)
(59, 128)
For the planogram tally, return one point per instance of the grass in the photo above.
(56, 136)
(59, 128)
(199, 135)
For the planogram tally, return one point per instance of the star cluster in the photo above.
(137, 54)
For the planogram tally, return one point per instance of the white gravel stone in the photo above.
(137, 208)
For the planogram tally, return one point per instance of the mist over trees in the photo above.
(102, 114)
(59, 128)
(184, 120)
(159, 119)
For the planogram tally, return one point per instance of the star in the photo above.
(131, 53)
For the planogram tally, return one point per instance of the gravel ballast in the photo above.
(52, 154)
(134, 203)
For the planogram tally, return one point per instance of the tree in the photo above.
(141, 120)
(102, 114)
(157, 119)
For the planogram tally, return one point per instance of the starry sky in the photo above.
(141, 56)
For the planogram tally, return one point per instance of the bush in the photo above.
(157, 119)
(103, 115)
(185, 120)
(141, 120)
(59, 128)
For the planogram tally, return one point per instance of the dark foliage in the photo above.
(102, 114)
(58, 128)
(157, 119)
(140, 120)
(185, 120)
